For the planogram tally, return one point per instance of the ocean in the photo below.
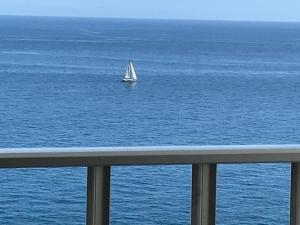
(200, 83)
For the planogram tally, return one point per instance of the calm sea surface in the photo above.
(199, 83)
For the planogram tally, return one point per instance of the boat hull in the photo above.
(129, 80)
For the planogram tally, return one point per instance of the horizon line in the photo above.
(146, 18)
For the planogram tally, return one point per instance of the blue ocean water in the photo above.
(199, 83)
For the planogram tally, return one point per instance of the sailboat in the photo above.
(130, 75)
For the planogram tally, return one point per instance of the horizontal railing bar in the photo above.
(150, 155)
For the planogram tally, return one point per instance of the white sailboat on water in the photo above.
(130, 75)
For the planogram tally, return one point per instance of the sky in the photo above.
(249, 10)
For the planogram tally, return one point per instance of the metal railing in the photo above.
(204, 160)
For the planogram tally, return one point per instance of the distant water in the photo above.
(199, 83)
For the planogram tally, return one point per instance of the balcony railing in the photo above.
(204, 160)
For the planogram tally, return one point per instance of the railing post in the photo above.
(98, 195)
(295, 194)
(203, 194)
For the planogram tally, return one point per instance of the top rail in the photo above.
(150, 155)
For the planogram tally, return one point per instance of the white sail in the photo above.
(127, 73)
(130, 75)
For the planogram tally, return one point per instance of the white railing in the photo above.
(204, 160)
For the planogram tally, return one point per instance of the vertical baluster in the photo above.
(203, 194)
(98, 195)
(295, 194)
